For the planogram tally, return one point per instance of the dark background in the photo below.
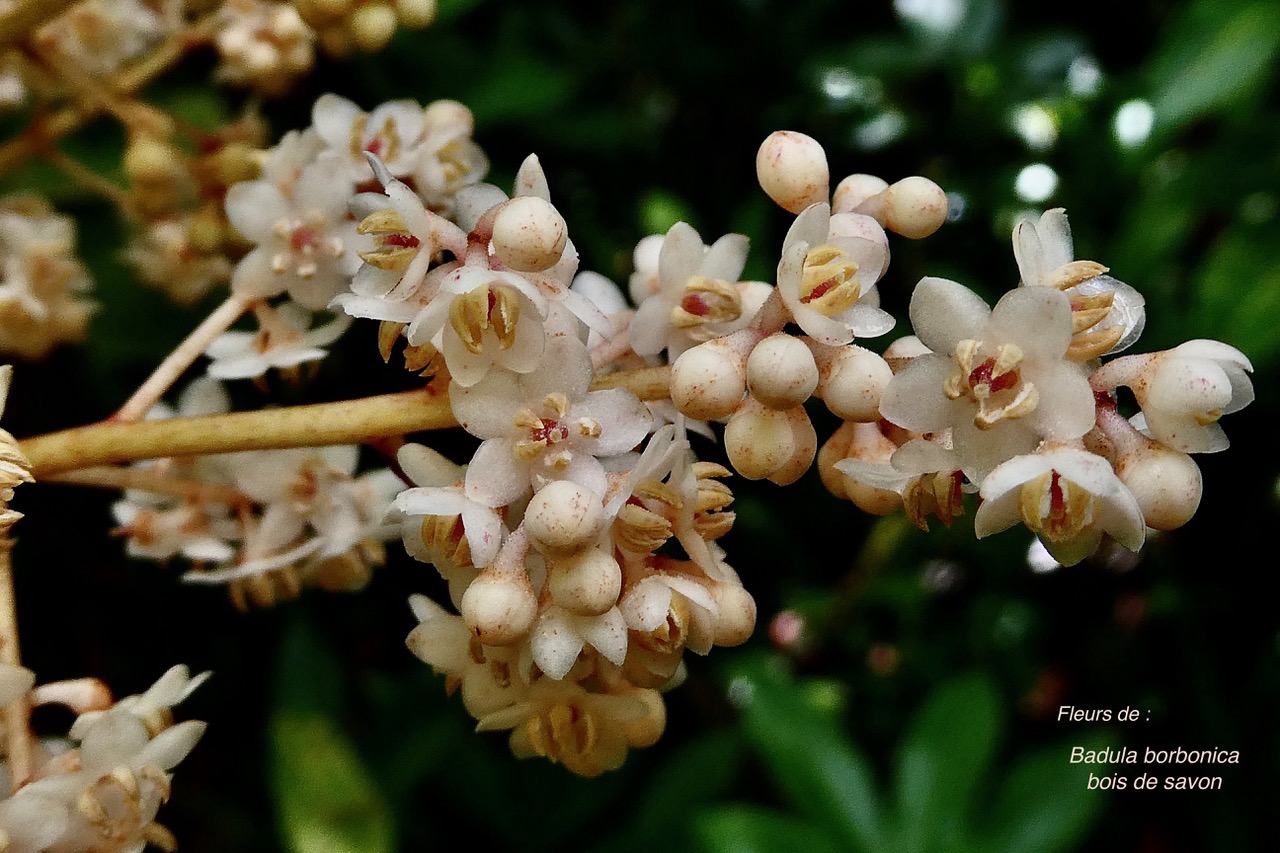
(931, 664)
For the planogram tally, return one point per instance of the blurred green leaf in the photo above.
(736, 829)
(1045, 803)
(1238, 294)
(942, 759)
(327, 801)
(1232, 55)
(325, 798)
(822, 772)
(702, 771)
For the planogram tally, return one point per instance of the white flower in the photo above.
(560, 635)
(264, 45)
(998, 379)
(827, 279)
(587, 732)
(698, 297)
(488, 677)
(448, 160)
(924, 473)
(304, 243)
(1110, 314)
(545, 425)
(1068, 497)
(1183, 392)
(391, 133)
(481, 319)
(283, 340)
(393, 283)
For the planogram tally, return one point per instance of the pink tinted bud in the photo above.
(529, 234)
(792, 169)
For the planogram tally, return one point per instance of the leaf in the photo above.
(1238, 295)
(1045, 804)
(822, 772)
(738, 829)
(704, 770)
(1221, 63)
(326, 801)
(942, 759)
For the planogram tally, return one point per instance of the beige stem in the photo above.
(317, 425)
(177, 362)
(16, 713)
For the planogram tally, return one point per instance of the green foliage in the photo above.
(943, 777)
(327, 802)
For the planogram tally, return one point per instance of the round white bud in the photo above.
(708, 381)
(499, 609)
(372, 26)
(1167, 484)
(853, 383)
(416, 14)
(781, 372)
(564, 517)
(854, 190)
(529, 234)
(735, 614)
(792, 169)
(914, 207)
(587, 583)
(447, 113)
(646, 729)
(775, 443)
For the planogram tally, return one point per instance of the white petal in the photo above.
(944, 312)
(555, 642)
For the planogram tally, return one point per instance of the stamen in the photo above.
(828, 282)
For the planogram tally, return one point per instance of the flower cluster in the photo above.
(101, 787)
(1014, 402)
(266, 523)
(579, 543)
(43, 285)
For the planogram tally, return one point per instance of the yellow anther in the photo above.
(556, 403)
(1056, 508)
(1091, 345)
(469, 317)
(385, 221)
(828, 283)
(706, 300)
(1076, 272)
(505, 315)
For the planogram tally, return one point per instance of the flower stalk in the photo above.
(316, 425)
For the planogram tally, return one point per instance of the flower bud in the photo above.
(792, 170)
(863, 441)
(645, 729)
(372, 26)
(915, 207)
(564, 517)
(775, 443)
(853, 382)
(587, 583)
(1167, 484)
(529, 234)
(781, 372)
(854, 190)
(708, 381)
(499, 608)
(416, 14)
(447, 113)
(735, 614)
